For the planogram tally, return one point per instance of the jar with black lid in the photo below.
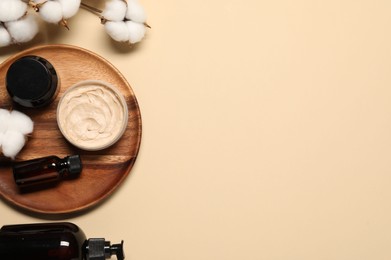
(32, 81)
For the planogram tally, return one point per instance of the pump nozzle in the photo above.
(118, 250)
(100, 249)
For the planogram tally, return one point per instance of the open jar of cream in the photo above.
(92, 115)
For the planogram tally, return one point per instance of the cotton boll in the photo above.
(4, 120)
(5, 38)
(69, 7)
(118, 31)
(136, 31)
(51, 12)
(135, 12)
(20, 122)
(11, 10)
(12, 143)
(115, 10)
(13, 128)
(23, 30)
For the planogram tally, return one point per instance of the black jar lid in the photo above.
(32, 81)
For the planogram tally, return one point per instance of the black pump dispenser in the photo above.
(99, 249)
(54, 241)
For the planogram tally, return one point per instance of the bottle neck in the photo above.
(63, 164)
(70, 166)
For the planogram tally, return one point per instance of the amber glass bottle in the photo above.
(54, 241)
(46, 170)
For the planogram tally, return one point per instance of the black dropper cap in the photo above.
(100, 249)
(74, 165)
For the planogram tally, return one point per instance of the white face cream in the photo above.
(92, 115)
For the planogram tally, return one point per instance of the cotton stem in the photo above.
(91, 8)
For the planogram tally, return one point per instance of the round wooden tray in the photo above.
(103, 171)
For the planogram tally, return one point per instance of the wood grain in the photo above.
(103, 171)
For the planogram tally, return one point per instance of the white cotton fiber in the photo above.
(12, 143)
(11, 10)
(23, 30)
(5, 38)
(135, 12)
(1, 139)
(69, 7)
(115, 11)
(136, 31)
(4, 120)
(118, 31)
(51, 12)
(14, 126)
(20, 122)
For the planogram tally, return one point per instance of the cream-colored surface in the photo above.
(92, 115)
(266, 131)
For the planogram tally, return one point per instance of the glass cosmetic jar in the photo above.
(92, 115)
(32, 81)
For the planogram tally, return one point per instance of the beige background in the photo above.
(266, 131)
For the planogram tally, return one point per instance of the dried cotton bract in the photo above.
(124, 20)
(14, 126)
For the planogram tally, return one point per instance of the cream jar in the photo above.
(32, 81)
(92, 115)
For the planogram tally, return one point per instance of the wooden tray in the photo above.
(103, 171)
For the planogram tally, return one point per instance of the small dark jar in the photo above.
(32, 82)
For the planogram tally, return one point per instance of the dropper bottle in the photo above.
(54, 241)
(46, 171)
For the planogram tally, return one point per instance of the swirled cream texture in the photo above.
(92, 115)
